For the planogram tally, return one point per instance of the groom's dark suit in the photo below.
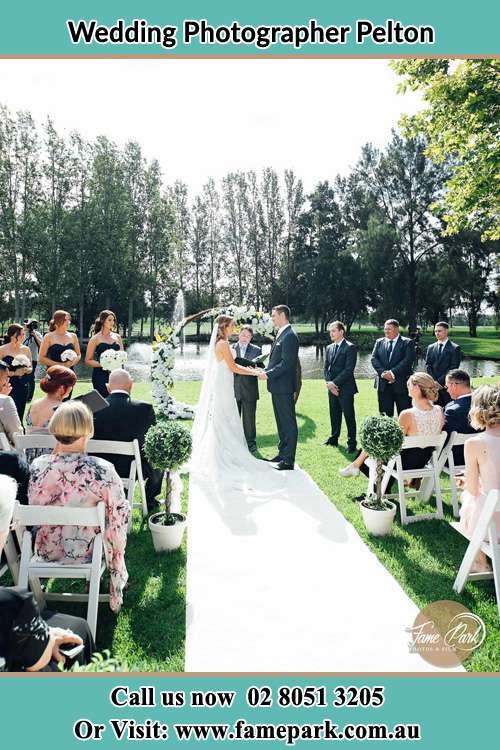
(340, 361)
(282, 384)
(400, 362)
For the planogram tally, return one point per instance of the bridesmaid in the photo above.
(19, 376)
(57, 341)
(104, 338)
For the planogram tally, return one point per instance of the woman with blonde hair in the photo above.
(60, 346)
(423, 418)
(71, 477)
(482, 462)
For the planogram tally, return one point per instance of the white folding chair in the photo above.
(32, 568)
(452, 470)
(33, 440)
(394, 470)
(4, 442)
(12, 559)
(485, 527)
(121, 448)
(448, 466)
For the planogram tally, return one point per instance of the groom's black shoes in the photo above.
(283, 466)
(275, 460)
(331, 441)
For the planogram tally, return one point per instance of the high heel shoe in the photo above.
(349, 471)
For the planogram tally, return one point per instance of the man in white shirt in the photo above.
(392, 359)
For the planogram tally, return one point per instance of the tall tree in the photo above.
(405, 185)
(133, 173)
(234, 200)
(272, 232)
(253, 208)
(294, 201)
(179, 197)
(462, 123)
(211, 200)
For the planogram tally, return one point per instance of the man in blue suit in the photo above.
(456, 412)
(340, 361)
(281, 376)
(392, 359)
(442, 357)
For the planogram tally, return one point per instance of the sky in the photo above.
(203, 118)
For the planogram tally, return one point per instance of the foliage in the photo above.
(381, 437)
(167, 445)
(461, 121)
(100, 662)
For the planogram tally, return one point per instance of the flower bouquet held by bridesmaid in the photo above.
(60, 346)
(104, 339)
(17, 357)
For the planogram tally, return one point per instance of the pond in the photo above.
(190, 364)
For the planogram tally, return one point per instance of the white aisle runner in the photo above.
(287, 584)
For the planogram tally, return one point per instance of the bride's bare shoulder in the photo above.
(221, 348)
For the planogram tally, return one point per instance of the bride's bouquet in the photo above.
(112, 360)
(68, 355)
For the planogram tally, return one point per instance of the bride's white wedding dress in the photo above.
(220, 453)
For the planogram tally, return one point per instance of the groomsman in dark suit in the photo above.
(456, 411)
(246, 387)
(442, 357)
(340, 361)
(392, 359)
(126, 419)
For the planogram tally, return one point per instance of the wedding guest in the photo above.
(126, 419)
(392, 359)
(423, 418)
(482, 463)
(340, 361)
(105, 337)
(18, 373)
(246, 387)
(15, 466)
(57, 384)
(33, 340)
(456, 412)
(440, 358)
(9, 418)
(70, 477)
(59, 343)
(29, 641)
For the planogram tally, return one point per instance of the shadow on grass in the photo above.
(307, 430)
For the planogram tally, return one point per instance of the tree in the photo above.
(234, 198)
(179, 198)
(462, 123)
(405, 185)
(294, 202)
(211, 200)
(134, 178)
(272, 222)
(253, 207)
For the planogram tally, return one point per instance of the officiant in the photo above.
(246, 387)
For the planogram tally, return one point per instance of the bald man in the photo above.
(126, 420)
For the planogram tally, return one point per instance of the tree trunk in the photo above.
(472, 318)
(130, 318)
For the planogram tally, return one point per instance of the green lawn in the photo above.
(149, 631)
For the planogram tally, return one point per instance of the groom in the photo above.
(281, 376)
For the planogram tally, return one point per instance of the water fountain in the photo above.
(178, 316)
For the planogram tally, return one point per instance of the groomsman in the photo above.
(442, 357)
(246, 387)
(340, 361)
(392, 359)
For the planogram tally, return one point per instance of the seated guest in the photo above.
(15, 466)
(456, 411)
(30, 642)
(482, 463)
(424, 418)
(126, 420)
(57, 384)
(70, 477)
(442, 357)
(9, 418)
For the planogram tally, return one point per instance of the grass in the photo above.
(424, 557)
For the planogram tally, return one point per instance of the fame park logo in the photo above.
(446, 633)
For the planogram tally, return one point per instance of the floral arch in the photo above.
(168, 340)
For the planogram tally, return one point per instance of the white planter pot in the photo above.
(167, 538)
(378, 522)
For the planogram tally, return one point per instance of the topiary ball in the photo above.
(167, 445)
(381, 437)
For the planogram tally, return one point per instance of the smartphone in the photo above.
(71, 651)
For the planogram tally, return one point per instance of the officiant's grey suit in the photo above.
(246, 393)
(282, 384)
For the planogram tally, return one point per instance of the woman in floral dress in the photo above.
(70, 477)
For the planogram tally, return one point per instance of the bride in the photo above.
(220, 452)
